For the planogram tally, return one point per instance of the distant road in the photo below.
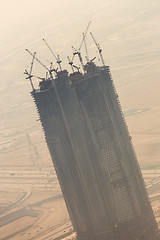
(26, 211)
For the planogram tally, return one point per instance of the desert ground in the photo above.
(32, 205)
(33, 208)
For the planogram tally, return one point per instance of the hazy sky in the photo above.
(128, 31)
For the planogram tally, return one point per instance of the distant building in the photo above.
(93, 156)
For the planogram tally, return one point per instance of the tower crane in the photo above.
(70, 63)
(99, 49)
(56, 57)
(85, 33)
(30, 72)
(44, 66)
(49, 70)
(77, 51)
(85, 45)
(79, 56)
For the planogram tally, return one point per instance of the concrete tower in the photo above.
(93, 156)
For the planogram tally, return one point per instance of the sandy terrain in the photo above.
(40, 213)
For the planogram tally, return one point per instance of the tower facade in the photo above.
(93, 156)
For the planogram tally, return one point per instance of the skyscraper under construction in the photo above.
(93, 156)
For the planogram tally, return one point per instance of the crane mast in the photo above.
(77, 52)
(99, 49)
(70, 63)
(79, 49)
(39, 61)
(30, 73)
(56, 57)
(85, 45)
(85, 33)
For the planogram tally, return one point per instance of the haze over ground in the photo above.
(128, 32)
